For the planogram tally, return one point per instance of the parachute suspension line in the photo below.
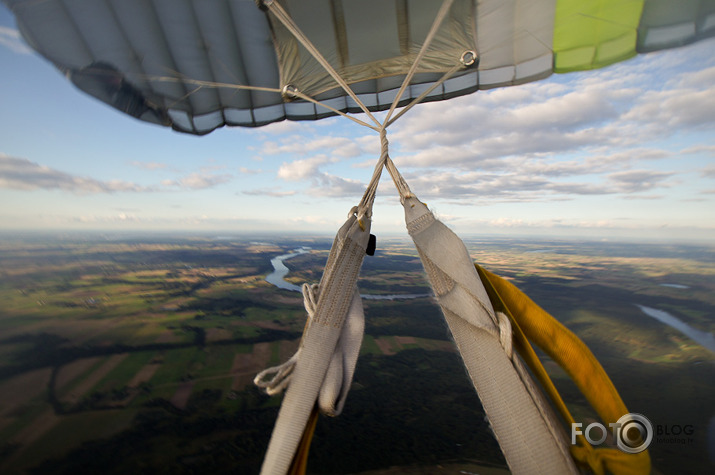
(364, 208)
(441, 14)
(277, 10)
(421, 97)
(292, 92)
(320, 373)
(402, 188)
(197, 82)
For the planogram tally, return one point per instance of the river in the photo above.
(277, 277)
(704, 339)
(280, 271)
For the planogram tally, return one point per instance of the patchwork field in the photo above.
(122, 354)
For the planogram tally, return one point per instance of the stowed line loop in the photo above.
(283, 372)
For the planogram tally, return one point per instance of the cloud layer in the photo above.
(600, 132)
(23, 174)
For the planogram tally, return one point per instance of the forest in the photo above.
(137, 355)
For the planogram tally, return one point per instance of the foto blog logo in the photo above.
(633, 433)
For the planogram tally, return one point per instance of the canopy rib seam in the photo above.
(241, 60)
(439, 18)
(141, 73)
(67, 12)
(210, 63)
(170, 54)
(283, 16)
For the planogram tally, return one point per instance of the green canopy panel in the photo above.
(179, 62)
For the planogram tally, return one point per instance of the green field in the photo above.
(137, 354)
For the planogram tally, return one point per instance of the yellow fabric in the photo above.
(300, 460)
(591, 34)
(532, 323)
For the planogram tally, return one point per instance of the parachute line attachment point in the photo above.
(469, 58)
(289, 92)
(263, 4)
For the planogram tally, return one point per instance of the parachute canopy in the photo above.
(196, 65)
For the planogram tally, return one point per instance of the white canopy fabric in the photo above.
(196, 65)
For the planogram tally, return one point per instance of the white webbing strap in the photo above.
(341, 369)
(336, 302)
(523, 424)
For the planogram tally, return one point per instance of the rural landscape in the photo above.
(136, 353)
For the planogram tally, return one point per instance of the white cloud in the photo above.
(709, 149)
(502, 122)
(250, 171)
(311, 220)
(533, 181)
(562, 113)
(302, 169)
(326, 184)
(11, 39)
(199, 180)
(284, 127)
(598, 110)
(148, 165)
(631, 181)
(266, 192)
(595, 134)
(673, 108)
(644, 197)
(300, 145)
(698, 79)
(22, 174)
(321, 183)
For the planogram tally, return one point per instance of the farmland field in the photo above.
(132, 354)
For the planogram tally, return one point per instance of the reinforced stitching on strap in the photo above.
(350, 257)
(420, 224)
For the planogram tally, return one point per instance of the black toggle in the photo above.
(371, 245)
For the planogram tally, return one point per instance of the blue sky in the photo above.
(626, 151)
